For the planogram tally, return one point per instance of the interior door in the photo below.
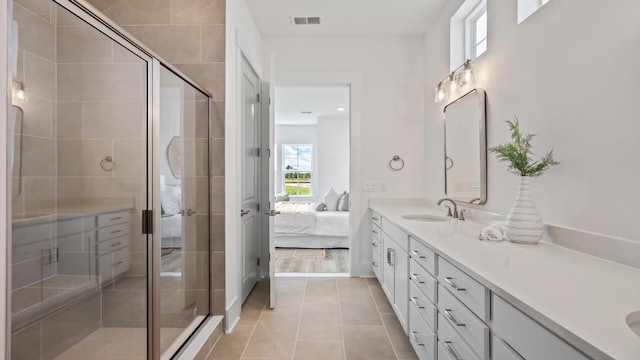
(271, 133)
(250, 193)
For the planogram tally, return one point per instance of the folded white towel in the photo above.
(493, 232)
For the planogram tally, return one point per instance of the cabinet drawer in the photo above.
(376, 243)
(465, 288)
(423, 255)
(105, 247)
(376, 219)
(451, 344)
(501, 351)
(474, 331)
(527, 337)
(105, 268)
(113, 232)
(400, 237)
(420, 304)
(121, 261)
(422, 338)
(112, 219)
(423, 280)
(376, 262)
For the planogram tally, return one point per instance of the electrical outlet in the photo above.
(369, 186)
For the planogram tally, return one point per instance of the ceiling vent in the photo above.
(305, 20)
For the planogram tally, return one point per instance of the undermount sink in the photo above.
(633, 320)
(427, 218)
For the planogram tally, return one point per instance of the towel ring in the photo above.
(395, 159)
(107, 164)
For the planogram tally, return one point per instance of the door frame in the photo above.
(360, 263)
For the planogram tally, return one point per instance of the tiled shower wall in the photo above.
(190, 35)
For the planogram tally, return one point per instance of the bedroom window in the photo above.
(297, 169)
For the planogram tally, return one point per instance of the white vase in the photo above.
(524, 223)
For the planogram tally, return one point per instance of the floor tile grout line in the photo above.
(386, 331)
(254, 328)
(344, 345)
(304, 294)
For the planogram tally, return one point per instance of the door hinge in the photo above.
(258, 207)
(258, 261)
(258, 152)
(269, 100)
(257, 97)
(147, 222)
(269, 152)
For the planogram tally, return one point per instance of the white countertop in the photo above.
(74, 210)
(582, 298)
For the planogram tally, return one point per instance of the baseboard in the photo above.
(232, 315)
(203, 341)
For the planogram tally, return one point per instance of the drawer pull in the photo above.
(375, 218)
(414, 300)
(374, 231)
(449, 315)
(116, 264)
(375, 264)
(115, 218)
(375, 244)
(449, 347)
(453, 285)
(417, 254)
(415, 336)
(116, 231)
(116, 244)
(414, 277)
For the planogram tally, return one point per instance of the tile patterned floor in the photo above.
(290, 260)
(317, 318)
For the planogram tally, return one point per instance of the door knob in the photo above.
(244, 212)
(271, 212)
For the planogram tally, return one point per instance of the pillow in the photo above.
(343, 203)
(321, 207)
(330, 199)
(170, 200)
(283, 197)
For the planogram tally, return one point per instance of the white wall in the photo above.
(297, 135)
(391, 105)
(570, 73)
(333, 154)
(5, 15)
(242, 36)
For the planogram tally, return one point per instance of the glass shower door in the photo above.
(184, 219)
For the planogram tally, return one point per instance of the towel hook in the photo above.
(107, 164)
(396, 167)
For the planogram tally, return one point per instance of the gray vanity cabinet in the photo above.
(113, 251)
(395, 267)
(376, 247)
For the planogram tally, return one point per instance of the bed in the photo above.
(299, 225)
(171, 220)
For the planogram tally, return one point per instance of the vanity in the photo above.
(460, 298)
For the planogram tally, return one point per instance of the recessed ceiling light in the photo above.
(340, 109)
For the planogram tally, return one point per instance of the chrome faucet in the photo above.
(455, 207)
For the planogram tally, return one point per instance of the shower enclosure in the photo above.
(110, 210)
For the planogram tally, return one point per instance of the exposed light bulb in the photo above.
(20, 91)
(467, 75)
(20, 95)
(453, 85)
(440, 94)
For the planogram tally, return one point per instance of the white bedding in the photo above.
(298, 218)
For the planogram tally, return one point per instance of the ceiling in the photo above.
(345, 17)
(290, 102)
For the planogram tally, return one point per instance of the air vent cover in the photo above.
(305, 20)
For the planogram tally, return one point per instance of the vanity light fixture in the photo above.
(20, 91)
(341, 109)
(462, 76)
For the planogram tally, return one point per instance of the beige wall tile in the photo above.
(40, 195)
(217, 275)
(213, 40)
(202, 118)
(123, 55)
(40, 76)
(119, 120)
(17, 203)
(102, 82)
(217, 157)
(38, 117)
(69, 188)
(217, 195)
(218, 302)
(197, 11)
(130, 157)
(82, 157)
(38, 156)
(25, 344)
(69, 120)
(35, 34)
(202, 158)
(208, 75)
(179, 43)
(65, 17)
(217, 119)
(125, 12)
(82, 44)
(38, 7)
(202, 198)
(217, 232)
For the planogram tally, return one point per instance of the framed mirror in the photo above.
(465, 145)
